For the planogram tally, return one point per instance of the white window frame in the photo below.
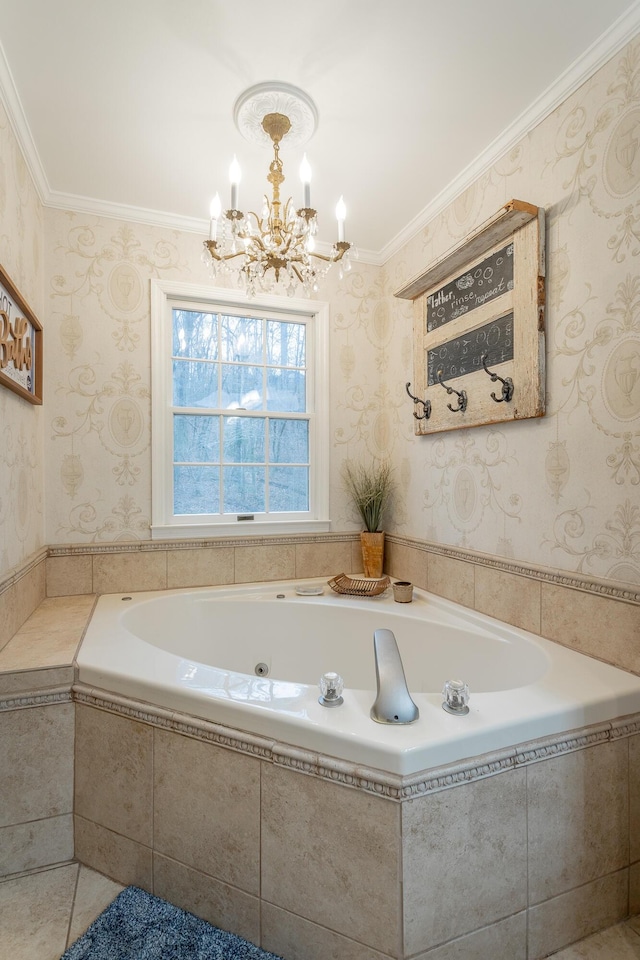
(165, 294)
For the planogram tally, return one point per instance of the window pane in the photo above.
(286, 390)
(241, 387)
(286, 344)
(244, 489)
(241, 339)
(196, 439)
(195, 384)
(195, 334)
(288, 489)
(196, 490)
(288, 441)
(244, 440)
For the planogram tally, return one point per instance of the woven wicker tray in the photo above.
(358, 588)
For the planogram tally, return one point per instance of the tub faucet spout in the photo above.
(393, 704)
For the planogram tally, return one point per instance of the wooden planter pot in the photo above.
(372, 553)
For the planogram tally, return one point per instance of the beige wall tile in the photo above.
(634, 798)
(577, 914)
(113, 787)
(19, 600)
(634, 889)
(113, 855)
(331, 855)
(451, 578)
(356, 557)
(465, 846)
(218, 903)
(71, 575)
(203, 567)
(290, 936)
(28, 680)
(505, 939)
(322, 559)
(10, 613)
(28, 846)
(599, 626)
(125, 572)
(265, 562)
(407, 563)
(578, 818)
(220, 835)
(36, 763)
(508, 597)
(31, 590)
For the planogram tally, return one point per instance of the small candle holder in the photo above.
(403, 591)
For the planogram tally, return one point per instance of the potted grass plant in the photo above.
(370, 488)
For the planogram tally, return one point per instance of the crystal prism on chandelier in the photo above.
(276, 248)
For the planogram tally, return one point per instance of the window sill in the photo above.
(244, 528)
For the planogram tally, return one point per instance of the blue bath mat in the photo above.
(139, 926)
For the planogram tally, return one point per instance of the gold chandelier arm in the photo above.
(341, 248)
(212, 247)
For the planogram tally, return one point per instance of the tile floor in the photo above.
(42, 913)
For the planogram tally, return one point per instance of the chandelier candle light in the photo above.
(277, 247)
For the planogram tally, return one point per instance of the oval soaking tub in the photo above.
(197, 651)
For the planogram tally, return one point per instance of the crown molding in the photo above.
(160, 218)
(21, 130)
(606, 46)
(621, 32)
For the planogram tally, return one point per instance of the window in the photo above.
(239, 413)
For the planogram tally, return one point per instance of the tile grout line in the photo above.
(73, 907)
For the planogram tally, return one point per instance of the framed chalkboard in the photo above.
(478, 322)
(487, 280)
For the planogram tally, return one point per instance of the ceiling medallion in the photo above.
(276, 247)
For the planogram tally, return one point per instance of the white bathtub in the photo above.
(195, 651)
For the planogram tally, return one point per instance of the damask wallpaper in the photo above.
(21, 423)
(562, 491)
(98, 444)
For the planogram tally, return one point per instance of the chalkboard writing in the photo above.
(464, 355)
(480, 284)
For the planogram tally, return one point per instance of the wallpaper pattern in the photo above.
(99, 379)
(562, 491)
(21, 423)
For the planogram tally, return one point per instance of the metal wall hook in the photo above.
(507, 384)
(426, 405)
(461, 395)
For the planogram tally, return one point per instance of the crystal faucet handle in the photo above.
(456, 697)
(331, 687)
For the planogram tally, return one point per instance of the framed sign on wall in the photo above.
(20, 343)
(479, 345)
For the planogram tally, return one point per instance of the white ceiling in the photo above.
(128, 103)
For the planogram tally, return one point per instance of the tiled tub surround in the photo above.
(559, 821)
(512, 855)
(37, 736)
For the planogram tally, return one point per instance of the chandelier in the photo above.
(278, 246)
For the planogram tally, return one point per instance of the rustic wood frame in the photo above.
(522, 224)
(35, 394)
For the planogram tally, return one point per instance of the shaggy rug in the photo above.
(139, 926)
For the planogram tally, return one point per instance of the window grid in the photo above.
(264, 414)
